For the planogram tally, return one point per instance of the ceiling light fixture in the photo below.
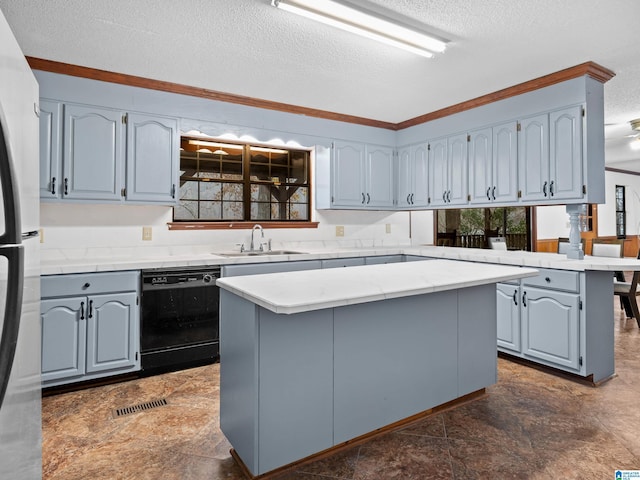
(635, 124)
(364, 24)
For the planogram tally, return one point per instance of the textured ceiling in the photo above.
(249, 48)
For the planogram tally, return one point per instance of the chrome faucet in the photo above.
(262, 236)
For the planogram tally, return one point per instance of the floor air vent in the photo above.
(121, 412)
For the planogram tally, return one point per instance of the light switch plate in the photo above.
(388, 228)
(146, 233)
(41, 235)
(339, 230)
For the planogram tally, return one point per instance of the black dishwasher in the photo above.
(179, 326)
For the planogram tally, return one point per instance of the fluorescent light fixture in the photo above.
(268, 150)
(370, 26)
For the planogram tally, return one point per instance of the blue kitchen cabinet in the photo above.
(269, 267)
(448, 170)
(362, 176)
(63, 338)
(343, 262)
(93, 153)
(90, 326)
(50, 148)
(153, 156)
(508, 300)
(413, 175)
(550, 157)
(107, 155)
(493, 161)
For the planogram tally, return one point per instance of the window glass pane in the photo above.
(298, 172)
(301, 195)
(189, 191)
(186, 211)
(232, 191)
(232, 211)
(260, 211)
(210, 210)
(279, 211)
(260, 193)
(298, 212)
(210, 191)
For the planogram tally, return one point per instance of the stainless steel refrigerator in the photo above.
(20, 391)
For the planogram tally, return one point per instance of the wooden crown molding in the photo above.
(590, 69)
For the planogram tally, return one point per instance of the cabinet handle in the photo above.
(449, 196)
(524, 299)
(488, 190)
(408, 201)
(173, 191)
(66, 186)
(368, 199)
(551, 187)
(444, 196)
(515, 297)
(53, 186)
(90, 312)
(81, 310)
(363, 198)
(412, 199)
(493, 192)
(544, 189)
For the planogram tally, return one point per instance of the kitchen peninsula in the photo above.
(313, 360)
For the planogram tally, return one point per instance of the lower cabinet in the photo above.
(90, 326)
(542, 323)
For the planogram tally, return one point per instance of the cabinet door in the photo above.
(550, 322)
(438, 172)
(347, 170)
(112, 332)
(50, 148)
(93, 153)
(533, 158)
(405, 178)
(508, 316)
(380, 180)
(63, 337)
(481, 184)
(566, 153)
(457, 165)
(420, 164)
(505, 163)
(152, 158)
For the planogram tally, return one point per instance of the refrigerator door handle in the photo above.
(12, 313)
(11, 233)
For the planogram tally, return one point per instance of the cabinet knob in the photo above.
(547, 279)
(86, 285)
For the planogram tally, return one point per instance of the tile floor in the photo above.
(531, 425)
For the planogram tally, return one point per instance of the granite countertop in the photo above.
(103, 260)
(295, 292)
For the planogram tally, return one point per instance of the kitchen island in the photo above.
(314, 360)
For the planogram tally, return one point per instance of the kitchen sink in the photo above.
(257, 253)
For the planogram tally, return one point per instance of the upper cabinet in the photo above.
(107, 155)
(152, 158)
(550, 157)
(413, 174)
(493, 155)
(448, 170)
(362, 176)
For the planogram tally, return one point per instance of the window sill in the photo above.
(237, 225)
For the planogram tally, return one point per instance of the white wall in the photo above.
(553, 221)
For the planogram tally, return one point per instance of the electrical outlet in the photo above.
(388, 228)
(41, 235)
(146, 233)
(339, 231)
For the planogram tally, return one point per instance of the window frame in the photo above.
(250, 179)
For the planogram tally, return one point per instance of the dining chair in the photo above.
(563, 244)
(628, 291)
(607, 248)
(497, 243)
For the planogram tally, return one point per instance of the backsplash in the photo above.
(82, 230)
